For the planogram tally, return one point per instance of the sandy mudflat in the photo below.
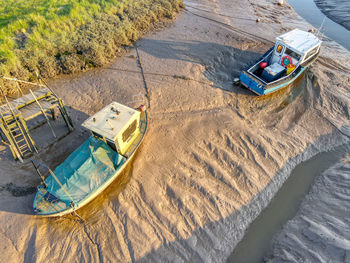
(320, 231)
(337, 10)
(214, 156)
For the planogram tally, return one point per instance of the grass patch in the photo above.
(66, 36)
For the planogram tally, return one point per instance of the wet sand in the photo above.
(215, 153)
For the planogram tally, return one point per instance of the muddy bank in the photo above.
(320, 230)
(215, 153)
(337, 10)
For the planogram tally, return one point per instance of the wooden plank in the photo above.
(4, 109)
(23, 81)
(32, 111)
(26, 99)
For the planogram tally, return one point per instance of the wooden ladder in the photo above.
(15, 129)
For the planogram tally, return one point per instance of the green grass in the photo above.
(65, 36)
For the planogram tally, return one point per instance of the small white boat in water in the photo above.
(117, 131)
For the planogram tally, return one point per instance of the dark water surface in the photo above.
(337, 10)
(312, 14)
(283, 207)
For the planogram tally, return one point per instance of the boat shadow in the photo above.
(222, 63)
(19, 180)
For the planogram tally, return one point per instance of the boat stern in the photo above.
(248, 82)
(46, 204)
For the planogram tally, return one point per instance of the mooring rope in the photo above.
(239, 31)
(143, 78)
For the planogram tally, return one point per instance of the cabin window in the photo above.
(311, 53)
(129, 131)
(279, 48)
(292, 54)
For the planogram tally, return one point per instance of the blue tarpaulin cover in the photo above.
(84, 171)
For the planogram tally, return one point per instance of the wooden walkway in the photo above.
(15, 114)
(27, 106)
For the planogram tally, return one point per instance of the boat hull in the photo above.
(260, 87)
(39, 197)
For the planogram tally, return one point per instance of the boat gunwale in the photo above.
(275, 82)
(292, 75)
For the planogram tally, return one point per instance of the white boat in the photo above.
(283, 64)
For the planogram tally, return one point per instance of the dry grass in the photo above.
(65, 36)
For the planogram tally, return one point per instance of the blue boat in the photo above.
(283, 64)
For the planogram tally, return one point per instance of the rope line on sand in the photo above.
(164, 75)
(82, 222)
(143, 78)
(239, 31)
(210, 12)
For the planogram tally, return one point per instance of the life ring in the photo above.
(285, 60)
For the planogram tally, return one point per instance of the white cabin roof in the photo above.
(111, 120)
(299, 40)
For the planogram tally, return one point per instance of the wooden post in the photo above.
(43, 112)
(19, 90)
(63, 111)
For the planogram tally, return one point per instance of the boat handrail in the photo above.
(312, 57)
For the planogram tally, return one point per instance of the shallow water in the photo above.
(256, 242)
(312, 14)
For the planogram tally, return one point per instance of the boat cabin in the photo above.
(292, 49)
(296, 44)
(117, 125)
